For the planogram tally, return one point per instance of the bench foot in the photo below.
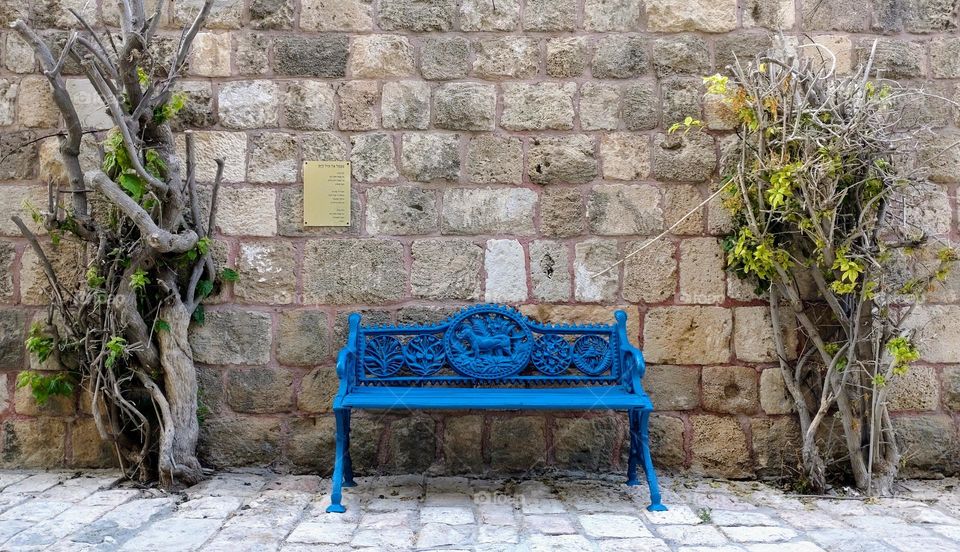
(342, 470)
(336, 509)
(640, 451)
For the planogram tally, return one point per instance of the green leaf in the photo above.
(204, 288)
(139, 280)
(134, 187)
(199, 315)
(229, 275)
(161, 325)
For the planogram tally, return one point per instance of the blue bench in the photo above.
(492, 357)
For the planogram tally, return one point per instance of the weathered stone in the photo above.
(210, 55)
(488, 211)
(358, 105)
(247, 211)
(688, 157)
(517, 444)
(224, 14)
(37, 107)
(462, 444)
(324, 56)
(401, 210)
(697, 15)
(250, 55)
(732, 47)
(776, 15)
(943, 58)
(666, 442)
(25, 404)
(405, 104)
(599, 15)
(239, 441)
(267, 273)
(591, 257)
(446, 269)
(687, 335)
(372, 157)
(566, 57)
(464, 106)
(720, 447)
(582, 314)
(681, 200)
(323, 146)
(753, 335)
(273, 158)
(951, 387)
(271, 14)
(7, 254)
(701, 271)
(444, 57)
(641, 107)
(88, 450)
(90, 108)
(17, 54)
(777, 446)
(915, 16)
(65, 256)
(617, 209)
(834, 15)
(506, 57)
(429, 157)
(417, 15)
(212, 145)
(249, 104)
(774, 397)
(198, 110)
(600, 107)
(317, 390)
(561, 212)
(33, 443)
(562, 159)
(260, 390)
(505, 265)
(681, 99)
(730, 389)
(650, 276)
(380, 56)
(336, 15)
(493, 159)
(894, 59)
(718, 113)
(308, 105)
(544, 106)
(412, 444)
(549, 15)
(488, 15)
(626, 156)
(918, 389)
(586, 443)
(549, 270)
(680, 55)
(673, 387)
(8, 101)
(302, 338)
(232, 337)
(347, 272)
(929, 444)
(620, 57)
(15, 197)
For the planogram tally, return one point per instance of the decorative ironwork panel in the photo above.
(488, 343)
(592, 355)
(382, 355)
(552, 355)
(425, 355)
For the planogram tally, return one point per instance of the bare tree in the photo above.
(821, 181)
(120, 327)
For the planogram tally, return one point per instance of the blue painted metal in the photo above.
(492, 357)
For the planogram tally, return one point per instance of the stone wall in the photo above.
(502, 151)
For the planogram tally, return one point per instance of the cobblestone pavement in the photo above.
(260, 511)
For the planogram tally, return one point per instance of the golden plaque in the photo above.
(326, 193)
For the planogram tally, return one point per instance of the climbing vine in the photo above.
(822, 182)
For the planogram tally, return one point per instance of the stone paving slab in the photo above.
(256, 510)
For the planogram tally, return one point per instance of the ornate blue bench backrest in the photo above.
(488, 345)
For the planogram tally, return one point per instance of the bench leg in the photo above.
(342, 417)
(655, 505)
(634, 448)
(347, 463)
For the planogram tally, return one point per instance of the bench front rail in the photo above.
(492, 357)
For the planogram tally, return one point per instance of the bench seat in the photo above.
(492, 357)
(605, 397)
